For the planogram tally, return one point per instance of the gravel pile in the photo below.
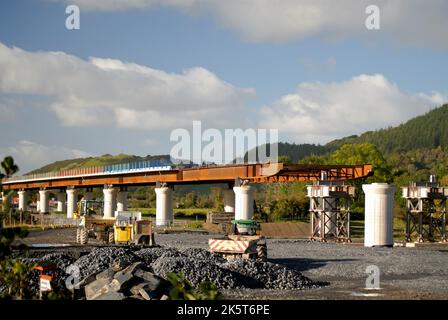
(100, 259)
(197, 265)
(201, 265)
(150, 255)
(269, 275)
(198, 270)
(203, 254)
(60, 259)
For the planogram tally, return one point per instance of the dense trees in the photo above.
(7, 169)
(428, 131)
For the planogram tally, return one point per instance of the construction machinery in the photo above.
(126, 228)
(130, 228)
(92, 224)
(245, 241)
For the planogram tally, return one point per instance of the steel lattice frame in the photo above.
(332, 215)
(427, 218)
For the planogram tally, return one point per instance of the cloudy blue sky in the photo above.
(138, 69)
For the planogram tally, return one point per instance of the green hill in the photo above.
(427, 131)
(95, 161)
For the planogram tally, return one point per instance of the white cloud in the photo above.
(413, 22)
(31, 155)
(319, 112)
(106, 91)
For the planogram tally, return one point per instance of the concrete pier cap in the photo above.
(379, 216)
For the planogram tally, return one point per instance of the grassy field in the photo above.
(357, 229)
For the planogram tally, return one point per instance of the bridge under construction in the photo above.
(66, 185)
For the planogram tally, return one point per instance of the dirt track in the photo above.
(405, 273)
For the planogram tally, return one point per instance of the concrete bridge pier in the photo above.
(164, 206)
(44, 201)
(109, 202)
(244, 202)
(122, 200)
(38, 202)
(229, 200)
(22, 200)
(71, 202)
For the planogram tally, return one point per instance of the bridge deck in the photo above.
(260, 173)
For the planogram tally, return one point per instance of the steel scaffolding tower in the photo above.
(330, 210)
(425, 211)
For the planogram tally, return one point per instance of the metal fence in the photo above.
(56, 221)
(152, 165)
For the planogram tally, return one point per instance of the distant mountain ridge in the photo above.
(426, 131)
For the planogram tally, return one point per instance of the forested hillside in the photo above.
(427, 131)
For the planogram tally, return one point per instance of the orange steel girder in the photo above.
(257, 173)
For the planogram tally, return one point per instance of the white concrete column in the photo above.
(71, 202)
(229, 200)
(61, 198)
(22, 200)
(109, 202)
(164, 206)
(43, 201)
(38, 202)
(244, 202)
(379, 215)
(122, 201)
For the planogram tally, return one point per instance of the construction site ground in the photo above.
(405, 273)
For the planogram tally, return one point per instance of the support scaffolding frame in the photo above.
(330, 204)
(425, 212)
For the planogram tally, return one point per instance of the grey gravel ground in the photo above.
(416, 273)
(198, 264)
(405, 273)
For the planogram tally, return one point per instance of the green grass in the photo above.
(195, 225)
(357, 229)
